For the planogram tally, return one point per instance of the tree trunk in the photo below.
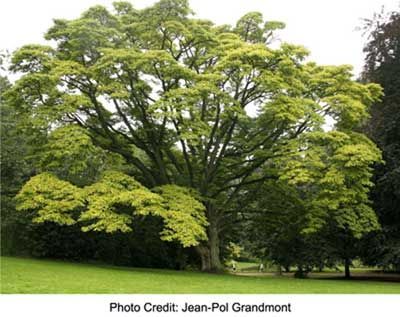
(347, 268)
(300, 272)
(204, 254)
(209, 251)
(213, 242)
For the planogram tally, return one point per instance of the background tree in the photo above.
(17, 164)
(320, 210)
(172, 95)
(382, 65)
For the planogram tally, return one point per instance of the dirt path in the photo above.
(373, 276)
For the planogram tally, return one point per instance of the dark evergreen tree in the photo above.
(382, 66)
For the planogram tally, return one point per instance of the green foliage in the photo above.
(173, 96)
(70, 154)
(184, 217)
(234, 251)
(20, 144)
(251, 28)
(332, 171)
(52, 199)
(382, 66)
(112, 203)
(317, 213)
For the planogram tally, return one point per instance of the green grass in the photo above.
(244, 265)
(20, 275)
(247, 266)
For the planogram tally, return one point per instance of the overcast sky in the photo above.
(326, 28)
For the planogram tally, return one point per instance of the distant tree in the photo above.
(172, 95)
(17, 165)
(333, 177)
(382, 66)
(321, 202)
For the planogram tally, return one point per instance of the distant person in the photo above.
(261, 268)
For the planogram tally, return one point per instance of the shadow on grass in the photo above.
(376, 277)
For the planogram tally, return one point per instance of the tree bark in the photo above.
(213, 242)
(209, 251)
(204, 254)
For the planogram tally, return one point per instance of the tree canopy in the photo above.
(194, 107)
(382, 65)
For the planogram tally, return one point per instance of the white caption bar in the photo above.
(199, 305)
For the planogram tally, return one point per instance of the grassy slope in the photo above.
(40, 276)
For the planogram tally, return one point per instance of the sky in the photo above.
(326, 28)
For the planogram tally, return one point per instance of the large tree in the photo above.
(382, 65)
(187, 102)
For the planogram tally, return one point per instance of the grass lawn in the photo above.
(20, 275)
(246, 266)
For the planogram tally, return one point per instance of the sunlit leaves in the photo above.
(184, 219)
(52, 199)
(333, 171)
(71, 155)
(113, 203)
